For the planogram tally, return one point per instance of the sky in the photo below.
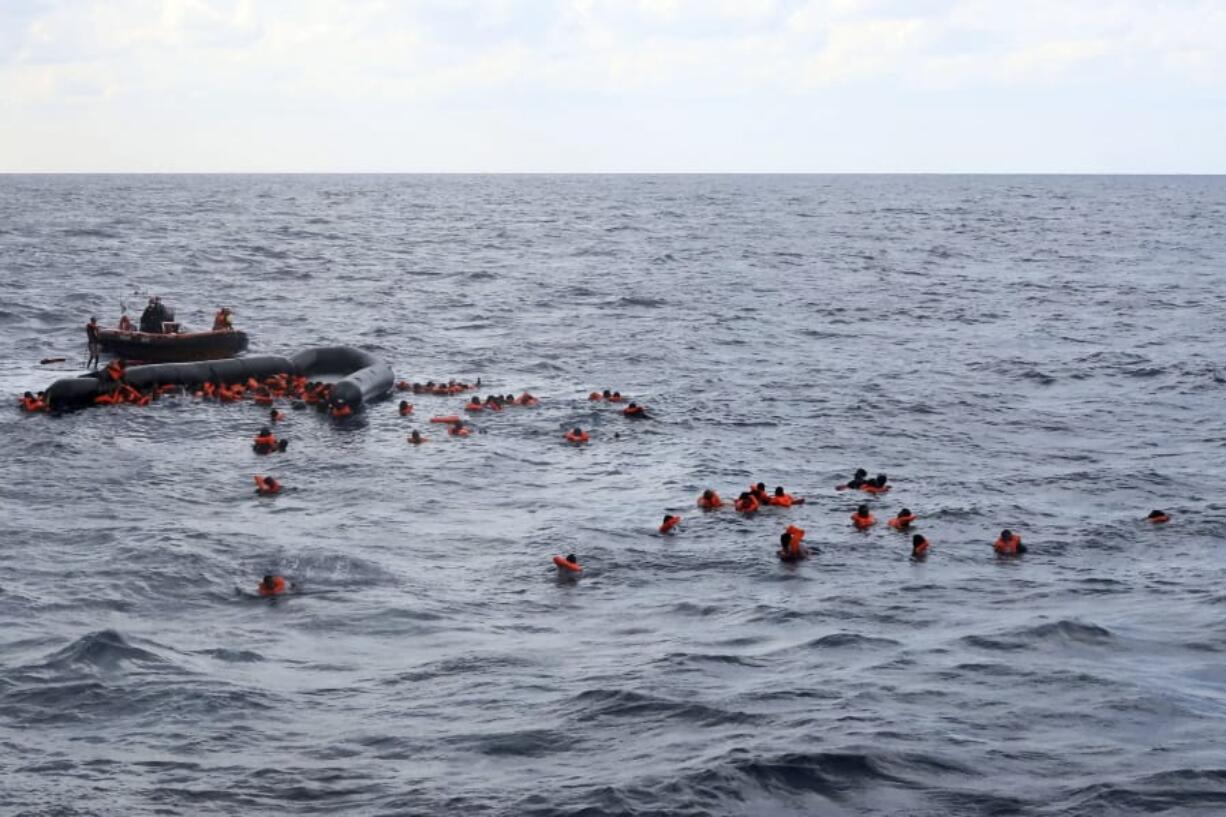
(986, 86)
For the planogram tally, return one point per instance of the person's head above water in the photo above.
(1154, 514)
(93, 319)
(917, 541)
(778, 490)
(881, 479)
(862, 510)
(861, 473)
(265, 431)
(905, 512)
(707, 494)
(269, 581)
(760, 487)
(570, 557)
(1006, 535)
(576, 431)
(606, 393)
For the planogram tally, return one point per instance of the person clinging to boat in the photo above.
(222, 321)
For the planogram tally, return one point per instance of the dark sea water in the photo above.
(1045, 354)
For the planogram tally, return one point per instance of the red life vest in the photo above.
(576, 439)
(902, 522)
(669, 523)
(712, 503)
(749, 505)
(863, 522)
(279, 586)
(1007, 547)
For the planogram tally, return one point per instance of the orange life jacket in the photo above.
(862, 522)
(595, 396)
(712, 503)
(796, 535)
(279, 586)
(669, 523)
(32, 404)
(451, 419)
(143, 400)
(474, 406)
(262, 399)
(577, 439)
(632, 411)
(873, 489)
(105, 399)
(784, 501)
(902, 522)
(1158, 520)
(342, 411)
(264, 489)
(114, 370)
(920, 549)
(747, 506)
(266, 441)
(1007, 547)
(526, 399)
(459, 431)
(561, 562)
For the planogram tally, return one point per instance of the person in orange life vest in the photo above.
(31, 403)
(862, 519)
(746, 503)
(635, 412)
(760, 494)
(1009, 544)
(1158, 517)
(416, 438)
(274, 586)
(790, 549)
(576, 436)
(458, 429)
(903, 520)
(275, 416)
(876, 485)
(266, 443)
(91, 338)
(855, 482)
(919, 547)
(615, 397)
(222, 322)
(115, 371)
(670, 522)
(710, 500)
(785, 500)
(267, 486)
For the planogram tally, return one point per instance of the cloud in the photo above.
(286, 68)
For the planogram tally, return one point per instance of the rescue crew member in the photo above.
(91, 337)
(222, 322)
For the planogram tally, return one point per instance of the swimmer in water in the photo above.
(272, 586)
(1009, 544)
(785, 500)
(415, 437)
(1158, 517)
(405, 408)
(855, 482)
(919, 548)
(670, 522)
(790, 549)
(862, 519)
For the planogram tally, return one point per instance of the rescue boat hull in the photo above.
(186, 347)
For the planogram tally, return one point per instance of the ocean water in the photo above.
(1039, 353)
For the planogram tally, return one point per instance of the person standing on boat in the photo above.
(91, 335)
(222, 322)
(154, 316)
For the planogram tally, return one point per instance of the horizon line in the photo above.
(609, 173)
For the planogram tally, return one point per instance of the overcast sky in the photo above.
(613, 85)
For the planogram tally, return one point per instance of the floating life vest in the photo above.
(450, 419)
